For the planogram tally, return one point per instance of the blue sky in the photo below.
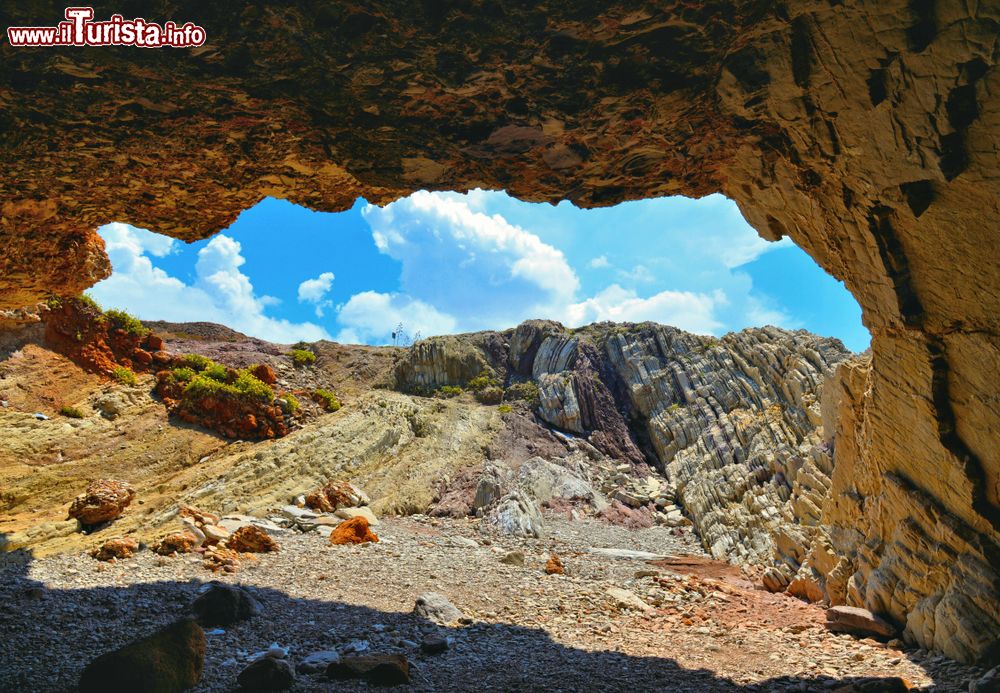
(449, 262)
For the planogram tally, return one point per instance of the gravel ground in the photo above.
(525, 631)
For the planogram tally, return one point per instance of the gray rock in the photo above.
(987, 683)
(493, 484)
(267, 674)
(513, 558)
(852, 619)
(318, 661)
(220, 604)
(629, 553)
(436, 607)
(518, 515)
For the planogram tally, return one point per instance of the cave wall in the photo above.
(865, 131)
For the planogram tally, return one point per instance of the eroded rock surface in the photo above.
(866, 131)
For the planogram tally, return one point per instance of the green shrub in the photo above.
(71, 412)
(216, 371)
(448, 391)
(482, 381)
(326, 399)
(246, 385)
(490, 395)
(303, 357)
(526, 391)
(183, 374)
(120, 320)
(88, 302)
(673, 408)
(292, 405)
(505, 409)
(196, 362)
(124, 375)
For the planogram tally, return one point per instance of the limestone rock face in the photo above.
(439, 361)
(865, 131)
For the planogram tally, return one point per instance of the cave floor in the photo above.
(707, 628)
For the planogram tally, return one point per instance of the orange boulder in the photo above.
(353, 531)
(251, 539)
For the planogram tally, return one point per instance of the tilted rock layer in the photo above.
(866, 131)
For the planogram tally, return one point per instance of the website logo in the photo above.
(79, 29)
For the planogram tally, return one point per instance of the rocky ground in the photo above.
(684, 623)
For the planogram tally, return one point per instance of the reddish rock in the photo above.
(104, 500)
(252, 539)
(170, 660)
(154, 342)
(122, 547)
(161, 358)
(852, 619)
(353, 531)
(142, 356)
(178, 542)
(335, 495)
(220, 558)
(554, 566)
(264, 373)
(379, 670)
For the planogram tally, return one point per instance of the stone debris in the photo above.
(317, 662)
(177, 543)
(104, 500)
(335, 495)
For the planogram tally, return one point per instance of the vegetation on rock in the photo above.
(71, 412)
(303, 357)
(123, 375)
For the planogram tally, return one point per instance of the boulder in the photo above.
(178, 542)
(379, 670)
(264, 373)
(516, 514)
(853, 619)
(492, 485)
(987, 683)
(774, 580)
(318, 661)
(103, 501)
(169, 661)
(554, 566)
(350, 513)
(252, 539)
(121, 547)
(624, 599)
(220, 604)
(513, 558)
(353, 531)
(436, 607)
(434, 644)
(335, 495)
(267, 674)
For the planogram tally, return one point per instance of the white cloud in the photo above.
(221, 292)
(599, 262)
(371, 317)
(639, 274)
(480, 268)
(315, 290)
(694, 312)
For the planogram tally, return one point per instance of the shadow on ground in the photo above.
(47, 636)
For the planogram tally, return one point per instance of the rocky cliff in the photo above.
(866, 131)
(733, 423)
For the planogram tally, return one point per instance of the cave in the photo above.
(866, 132)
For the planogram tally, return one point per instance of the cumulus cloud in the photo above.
(221, 292)
(599, 262)
(314, 291)
(371, 317)
(694, 312)
(477, 267)
(640, 274)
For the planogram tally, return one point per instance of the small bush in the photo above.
(292, 405)
(526, 391)
(196, 362)
(675, 407)
(303, 357)
(71, 412)
(448, 391)
(124, 375)
(216, 371)
(88, 302)
(482, 381)
(183, 374)
(245, 385)
(505, 409)
(326, 399)
(120, 320)
(490, 395)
